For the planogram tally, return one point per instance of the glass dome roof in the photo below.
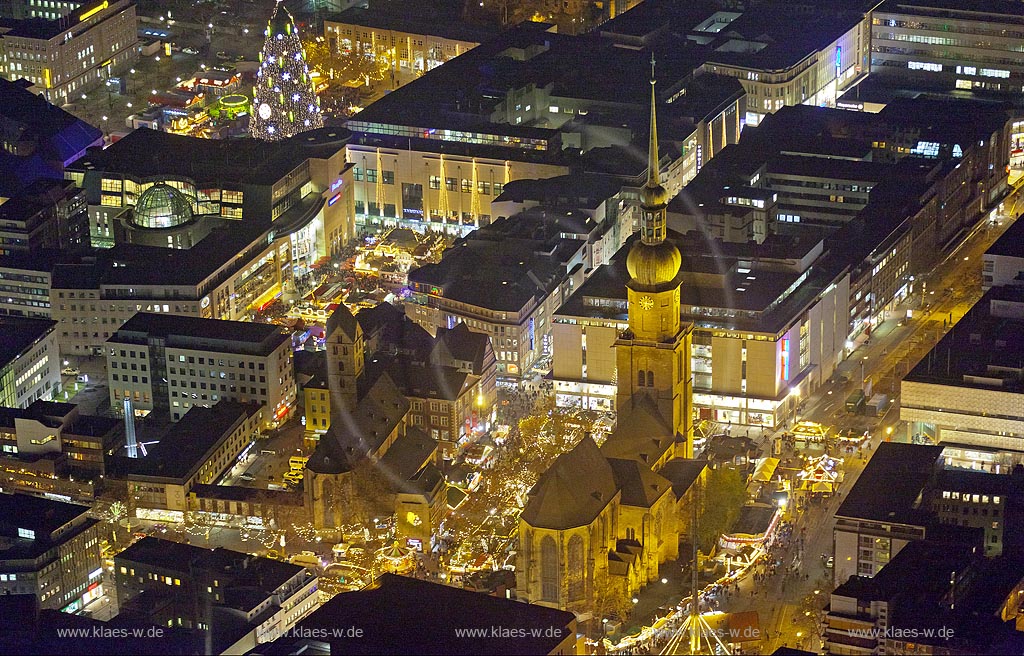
(162, 206)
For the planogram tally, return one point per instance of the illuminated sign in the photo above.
(95, 10)
(333, 200)
(839, 60)
(784, 360)
(336, 184)
(46, 77)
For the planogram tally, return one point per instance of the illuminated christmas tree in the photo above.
(284, 98)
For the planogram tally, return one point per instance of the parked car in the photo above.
(70, 371)
(247, 477)
(190, 51)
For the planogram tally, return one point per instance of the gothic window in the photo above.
(630, 533)
(640, 378)
(575, 568)
(650, 378)
(548, 570)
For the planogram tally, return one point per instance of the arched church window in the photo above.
(640, 378)
(575, 568)
(548, 570)
(650, 378)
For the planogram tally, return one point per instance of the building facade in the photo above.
(29, 362)
(940, 44)
(51, 551)
(65, 56)
(175, 362)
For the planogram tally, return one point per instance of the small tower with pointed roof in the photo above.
(653, 355)
(345, 361)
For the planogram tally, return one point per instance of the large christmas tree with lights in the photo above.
(284, 99)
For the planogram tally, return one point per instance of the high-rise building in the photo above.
(284, 98)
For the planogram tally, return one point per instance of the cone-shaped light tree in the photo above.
(284, 98)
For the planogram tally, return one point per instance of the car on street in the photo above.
(190, 51)
(70, 371)
(223, 56)
(247, 477)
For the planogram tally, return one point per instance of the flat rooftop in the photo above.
(146, 153)
(232, 567)
(217, 334)
(18, 334)
(890, 486)
(983, 350)
(182, 449)
(1011, 243)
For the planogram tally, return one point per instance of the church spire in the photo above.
(653, 197)
(653, 174)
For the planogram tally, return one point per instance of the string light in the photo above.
(284, 99)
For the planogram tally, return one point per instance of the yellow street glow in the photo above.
(95, 10)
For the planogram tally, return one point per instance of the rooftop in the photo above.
(18, 334)
(405, 615)
(889, 489)
(146, 153)
(1011, 243)
(188, 442)
(983, 350)
(190, 332)
(232, 567)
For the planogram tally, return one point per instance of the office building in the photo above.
(175, 362)
(197, 450)
(946, 45)
(239, 600)
(48, 214)
(70, 48)
(50, 550)
(29, 362)
(51, 449)
(959, 603)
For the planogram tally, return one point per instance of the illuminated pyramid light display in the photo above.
(284, 98)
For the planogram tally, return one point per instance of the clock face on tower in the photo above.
(646, 302)
(264, 111)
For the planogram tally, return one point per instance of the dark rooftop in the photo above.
(232, 567)
(983, 350)
(215, 334)
(405, 615)
(146, 153)
(18, 334)
(1011, 243)
(185, 447)
(889, 488)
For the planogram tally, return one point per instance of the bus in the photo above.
(298, 463)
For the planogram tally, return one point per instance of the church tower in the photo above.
(653, 355)
(345, 361)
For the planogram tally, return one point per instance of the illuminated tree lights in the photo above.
(284, 98)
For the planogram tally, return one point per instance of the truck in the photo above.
(855, 402)
(877, 405)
